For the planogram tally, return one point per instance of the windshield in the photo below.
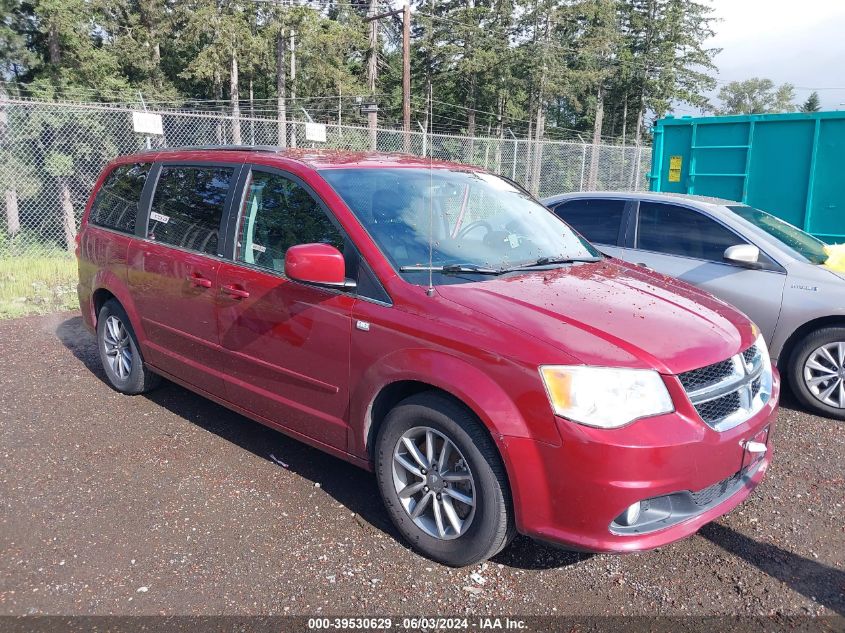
(480, 224)
(804, 244)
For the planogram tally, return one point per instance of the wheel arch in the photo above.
(395, 392)
(785, 356)
(106, 285)
(99, 298)
(405, 372)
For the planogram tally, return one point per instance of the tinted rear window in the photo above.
(188, 207)
(597, 220)
(116, 204)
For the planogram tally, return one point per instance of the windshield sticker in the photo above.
(259, 248)
(513, 240)
(158, 217)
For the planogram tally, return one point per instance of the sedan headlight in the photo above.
(605, 397)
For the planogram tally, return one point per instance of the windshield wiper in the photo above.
(453, 269)
(550, 261)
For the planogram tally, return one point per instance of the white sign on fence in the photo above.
(147, 123)
(315, 132)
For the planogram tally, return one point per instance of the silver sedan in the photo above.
(766, 267)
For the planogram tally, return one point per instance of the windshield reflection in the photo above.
(479, 224)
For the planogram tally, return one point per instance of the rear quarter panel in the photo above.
(102, 257)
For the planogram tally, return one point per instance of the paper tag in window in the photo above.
(259, 248)
(158, 217)
(513, 240)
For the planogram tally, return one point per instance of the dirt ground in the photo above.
(170, 504)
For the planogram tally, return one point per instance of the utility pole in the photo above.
(235, 97)
(406, 75)
(281, 80)
(541, 118)
(293, 82)
(372, 71)
(592, 179)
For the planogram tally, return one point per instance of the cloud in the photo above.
(797, 43)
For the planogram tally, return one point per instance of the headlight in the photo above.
(766, 376)
(761, 346)
(605, 397)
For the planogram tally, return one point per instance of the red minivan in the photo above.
(436, 324)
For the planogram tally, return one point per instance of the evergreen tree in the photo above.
(812, 104)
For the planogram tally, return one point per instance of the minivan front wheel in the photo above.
(122, 362)
(817, 372)
(442, 481)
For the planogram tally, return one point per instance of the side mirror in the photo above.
(318, 264)
(745, 255)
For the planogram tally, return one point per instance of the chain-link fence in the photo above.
(52, 152)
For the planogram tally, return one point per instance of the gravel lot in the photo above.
(170, 504)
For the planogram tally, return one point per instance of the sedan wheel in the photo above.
(824, 374)
(816, 371)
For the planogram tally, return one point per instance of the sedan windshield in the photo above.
(803, 244)
(455, 224)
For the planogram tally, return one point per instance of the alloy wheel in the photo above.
(824, 374)
(434, 483)
(118, 348)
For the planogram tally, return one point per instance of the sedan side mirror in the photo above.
(745, 255)
(318, 264)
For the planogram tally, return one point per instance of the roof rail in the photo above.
(226, 148)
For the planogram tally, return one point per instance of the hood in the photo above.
(613, 314)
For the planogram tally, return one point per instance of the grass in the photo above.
(37, 285)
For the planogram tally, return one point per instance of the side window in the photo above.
(116, 204)
(188, 207)
(665, 228)
(278, 213)
(597, 220)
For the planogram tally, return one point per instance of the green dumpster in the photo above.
(791, 165)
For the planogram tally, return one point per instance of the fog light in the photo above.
(630, 516)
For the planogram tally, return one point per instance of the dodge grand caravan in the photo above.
(436, 324)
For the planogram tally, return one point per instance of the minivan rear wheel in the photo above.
(817, 372)
(119, 352)
(442, 481)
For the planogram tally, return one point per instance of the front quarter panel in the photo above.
(457, 353)
(810, 294)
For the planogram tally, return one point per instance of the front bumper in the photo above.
(571, 494)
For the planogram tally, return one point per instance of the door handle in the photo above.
(238, 293)
(199, 280)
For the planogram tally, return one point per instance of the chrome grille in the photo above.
(729, 392)
(719, 408)
(750, 354)
(706, 376)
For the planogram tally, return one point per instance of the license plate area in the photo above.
(750, 454)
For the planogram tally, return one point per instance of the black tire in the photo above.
(138, 378)
(800, 354)
(492, 526)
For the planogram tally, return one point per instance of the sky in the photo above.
(802, 43)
